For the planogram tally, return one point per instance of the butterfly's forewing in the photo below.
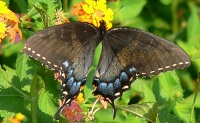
(127, 52)
(67, 48)
(146, 52)
(60, 46)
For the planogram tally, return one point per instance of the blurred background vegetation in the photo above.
(175, 20)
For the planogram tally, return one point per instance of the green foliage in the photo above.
(148, 111)
(12, 100)
(29, 88)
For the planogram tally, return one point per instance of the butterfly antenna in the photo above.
(118, 10)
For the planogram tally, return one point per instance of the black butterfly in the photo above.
(126, 53)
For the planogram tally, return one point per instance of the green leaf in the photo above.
(171, 84)
(165, 117)
(47, 10)
(189, 100)
(193, 22)
(7, 2)
(148, 94)
(18, 6)
(134, 119)
(160, 93)
(47, 108)
(12, 101)
(160, 23)
(25, 70)
(126, 96)
(44, 88)
(44, 16)
(137, 86)
(43, 91)
(183, 112)
(196, 56)
(166, 2)
(123, 16)
(148, 111)
(88, 89)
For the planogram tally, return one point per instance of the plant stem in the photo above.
(65, 5)
(174, 16)
(195, 97)
(34, 99)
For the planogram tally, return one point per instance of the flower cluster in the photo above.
(93, 11)
(73, 112)
(8, 24)
(60, 18)
(17, 119)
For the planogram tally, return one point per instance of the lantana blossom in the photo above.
(92, 11)
(8, 24)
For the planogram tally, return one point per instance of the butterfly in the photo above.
(126, 54)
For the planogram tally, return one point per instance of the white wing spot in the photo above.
(152, 72)
(167, 67)
(187, 62)
(63, 75)
(61, 68)
(29, 49)
(180, 63)
(160, 68)
(48, 62)
(65, 92)
(125, 87)
(24, 47)
(33, 51)
(44, 58)
(174, 65)
(38, 55)
(117, 94)
(144, 73)
(55, 65)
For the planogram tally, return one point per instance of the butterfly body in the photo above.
(126, 53)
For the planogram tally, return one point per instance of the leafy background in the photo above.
(29, 88)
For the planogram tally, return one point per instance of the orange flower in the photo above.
(93, 11)
(17, 119)
(8, 24)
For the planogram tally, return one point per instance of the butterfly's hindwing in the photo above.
(112, 79)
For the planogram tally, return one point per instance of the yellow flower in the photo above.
(17, 119)
(80, 98)
(8, 23)
(2, 30)
(19, 116)
(93, 11)
(3, 8)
